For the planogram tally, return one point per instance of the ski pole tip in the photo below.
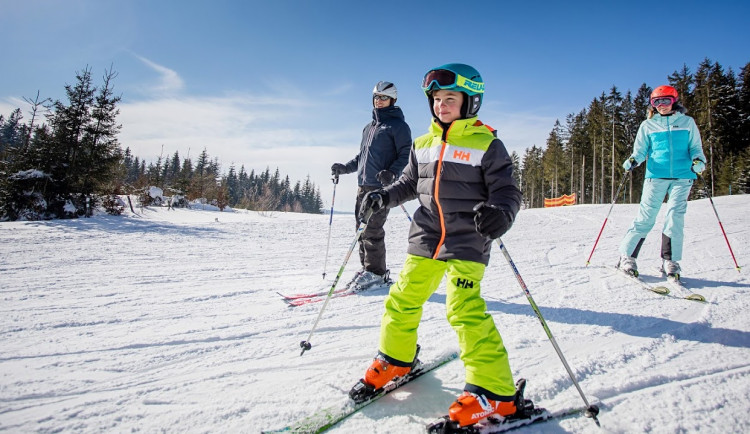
(592, 411)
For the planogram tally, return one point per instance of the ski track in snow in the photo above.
(170, 321)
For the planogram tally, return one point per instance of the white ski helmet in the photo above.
(385, 88)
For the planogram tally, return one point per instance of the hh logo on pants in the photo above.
(464, 283)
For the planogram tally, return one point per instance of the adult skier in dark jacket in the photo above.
(462, 175)
(383, 153)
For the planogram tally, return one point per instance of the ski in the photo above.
(683, 291)
(679, 288)
(327, 417)
(673, 287)
(492, 426)
(301, 299)
(661, 290)
(309, 294)
(315, 299)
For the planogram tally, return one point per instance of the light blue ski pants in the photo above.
(654, 191)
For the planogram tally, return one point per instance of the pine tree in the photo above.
(533, 178)
(69, 161)
(553, 161)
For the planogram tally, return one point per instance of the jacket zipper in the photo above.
(671, 151)
(436, 193)
(370, 136)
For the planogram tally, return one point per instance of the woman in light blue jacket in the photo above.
(671, 142)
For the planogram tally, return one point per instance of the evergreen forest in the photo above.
(65, 157)
(65, 160)
(584, 155)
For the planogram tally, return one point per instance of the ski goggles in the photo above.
(662, 100)
(445, 79)
(381, 97)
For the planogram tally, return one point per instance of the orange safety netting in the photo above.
(565, 199)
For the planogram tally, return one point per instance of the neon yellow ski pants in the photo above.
(482, 349)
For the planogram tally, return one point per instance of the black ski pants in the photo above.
(372, 241)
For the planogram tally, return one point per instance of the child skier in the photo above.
(462, 175)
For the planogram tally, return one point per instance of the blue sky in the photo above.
(287, 84)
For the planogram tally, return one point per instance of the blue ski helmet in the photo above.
(457, 77)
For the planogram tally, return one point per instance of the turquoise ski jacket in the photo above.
(671, 143)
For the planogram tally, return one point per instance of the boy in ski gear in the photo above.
(671, 142)
(383, 153)
(462, 175)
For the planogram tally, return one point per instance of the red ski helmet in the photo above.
(663, 91)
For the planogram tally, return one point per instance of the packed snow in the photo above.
(170, 321)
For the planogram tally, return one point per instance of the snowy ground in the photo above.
(169, 321)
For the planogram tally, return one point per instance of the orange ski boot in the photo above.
(471, 408)
(379, 374)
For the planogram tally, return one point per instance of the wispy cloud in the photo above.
(235, 129)
(169, 81)
(250, 131)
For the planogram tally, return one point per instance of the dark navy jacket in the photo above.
(386, 142)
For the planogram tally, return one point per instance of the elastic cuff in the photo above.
(471, 388)
(393, 361)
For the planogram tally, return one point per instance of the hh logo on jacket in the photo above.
(452, 154)
(461, 155)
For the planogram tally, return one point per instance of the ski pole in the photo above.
(306, 345)
(335, 180)
(406, 212)
(591, 410)
(614, 199)
(705, 189)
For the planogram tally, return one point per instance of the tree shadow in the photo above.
(120, 224)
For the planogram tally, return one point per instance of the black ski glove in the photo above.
(373, 201)
(492, 221)
(338, 169)
(386, 177)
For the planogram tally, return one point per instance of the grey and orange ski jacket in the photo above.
(450, 171)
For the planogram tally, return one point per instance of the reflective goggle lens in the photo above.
(444, 79)
(381, 97)
(664, 100)
(441, 77)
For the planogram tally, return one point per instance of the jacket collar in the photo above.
(460, 127)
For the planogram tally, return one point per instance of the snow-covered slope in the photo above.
(169, 321)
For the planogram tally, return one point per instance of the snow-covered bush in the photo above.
(151, 196)
(113, 204)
